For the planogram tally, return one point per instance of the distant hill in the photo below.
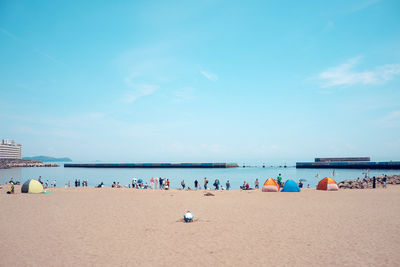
(48, 159)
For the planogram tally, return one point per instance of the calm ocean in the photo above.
(236, 176)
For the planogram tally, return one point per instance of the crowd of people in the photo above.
(165, 184)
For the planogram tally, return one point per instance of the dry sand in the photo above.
(114, 227)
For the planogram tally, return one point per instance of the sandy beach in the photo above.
(127, 227)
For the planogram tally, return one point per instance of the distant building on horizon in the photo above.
(10, 150)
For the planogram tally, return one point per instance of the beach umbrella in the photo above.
(290, 186)
(327, 184)
(270, 185)
(32, 186)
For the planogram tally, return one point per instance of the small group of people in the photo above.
(364, 182)
(78, 183)
(197, 186)
(46, 184)
(115, 185)
(138, 183)
(161, 183)
(246, 185)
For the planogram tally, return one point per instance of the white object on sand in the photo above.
(188, 217)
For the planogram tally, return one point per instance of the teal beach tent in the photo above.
(290, 186)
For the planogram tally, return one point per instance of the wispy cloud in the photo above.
(5, 32)
(15, 38)
(345, 75)
(392, 119)
(137, 89)
(184, 94)
(46, 55)
(364, 5)
(210, 76)
(140, 91)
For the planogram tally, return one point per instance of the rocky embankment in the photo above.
(367, 182)
(20, 163)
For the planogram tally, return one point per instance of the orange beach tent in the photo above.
(270, 185)
(327, 184)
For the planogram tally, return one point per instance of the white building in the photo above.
(10, 151)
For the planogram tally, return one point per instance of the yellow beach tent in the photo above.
(32, 186)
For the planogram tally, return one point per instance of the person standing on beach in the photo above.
(205, 183)
(161, 182)
(196, 184)
(168, 183)
(216, 184)
(151, 182)
(279, 180)
(257, 184)
(228, 185)
(384, 179)
(156, 183)
(183, 184)
(373, 182)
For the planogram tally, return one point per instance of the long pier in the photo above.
(150, 165)
(350, 165)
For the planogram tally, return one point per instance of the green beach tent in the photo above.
(32, 186)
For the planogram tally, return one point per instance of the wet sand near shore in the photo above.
(121, 226)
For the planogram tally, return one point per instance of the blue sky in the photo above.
(201, 80)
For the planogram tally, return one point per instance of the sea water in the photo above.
(236, 176)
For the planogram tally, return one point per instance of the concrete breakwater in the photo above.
(150, 165)
(20, 163)
(350, 165)
(368, 182)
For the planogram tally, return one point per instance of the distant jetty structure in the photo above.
(348, 163)
(150, 165)
(342, 159)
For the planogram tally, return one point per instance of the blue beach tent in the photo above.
(290, 186)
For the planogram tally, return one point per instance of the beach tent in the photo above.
(32, 186)
(270, 185)
(327, 184)
(290, 186)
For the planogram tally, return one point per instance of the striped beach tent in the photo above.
(270, 185)
(32, 186)
(327, 184)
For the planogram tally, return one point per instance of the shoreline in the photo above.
(366, 183)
